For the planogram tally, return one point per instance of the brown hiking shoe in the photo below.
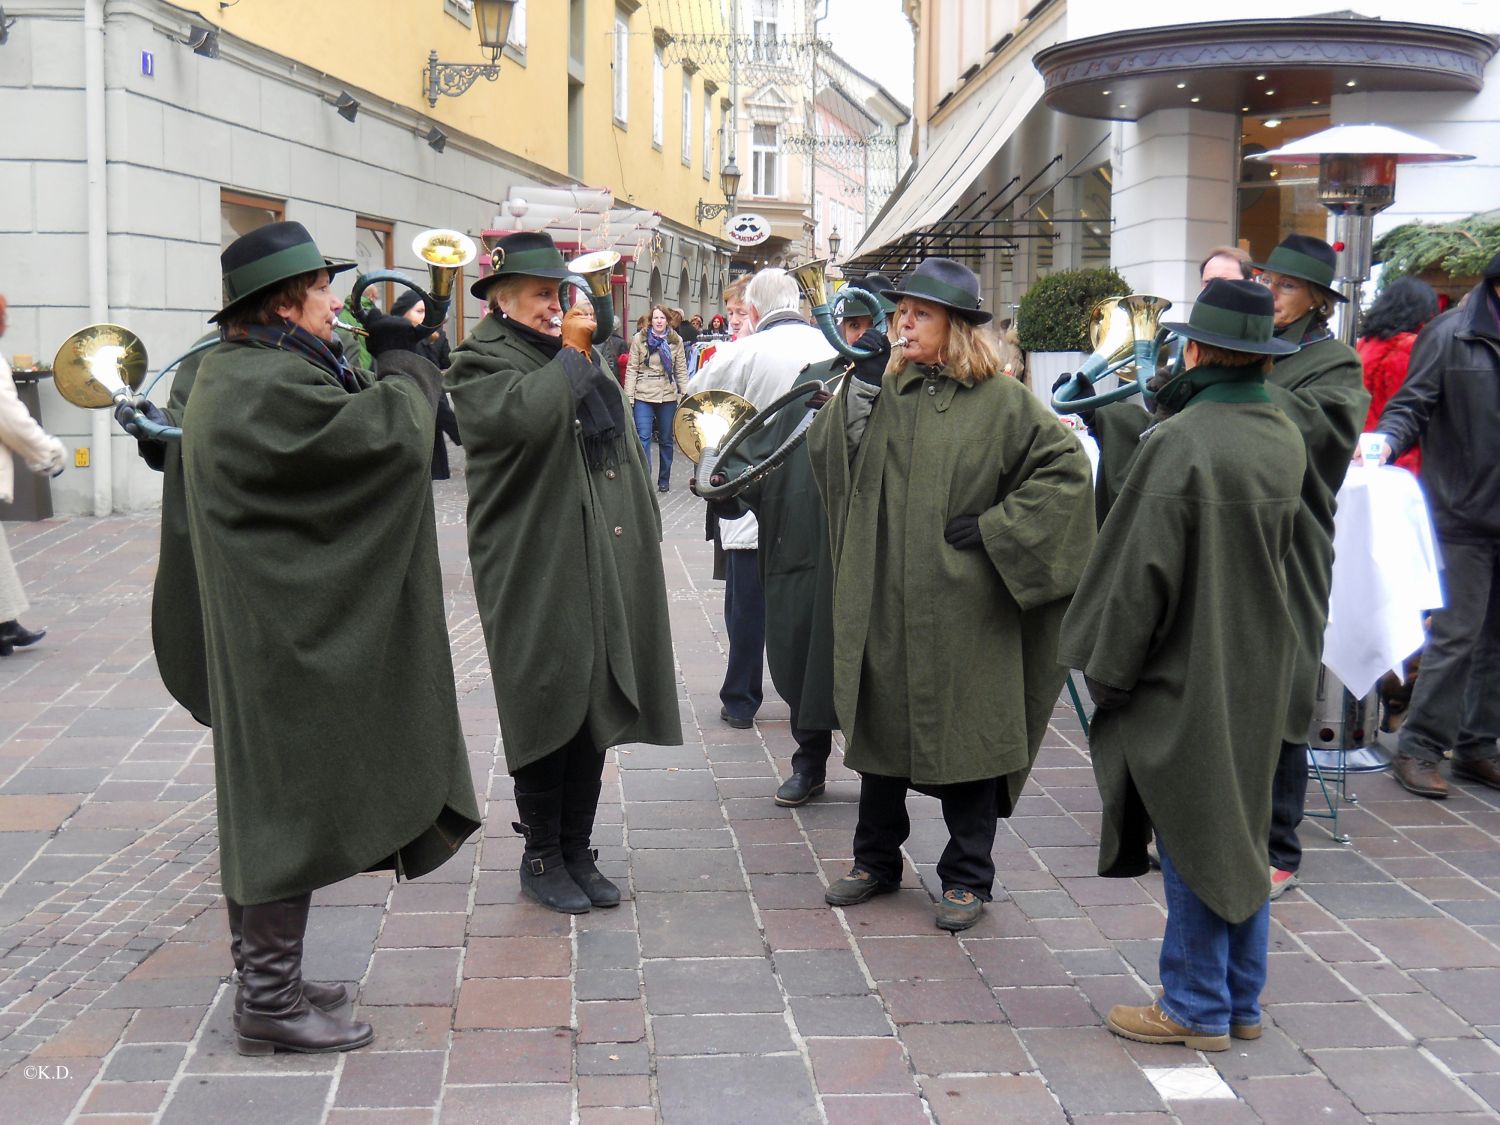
(1486, 771)
(958, 910)
(857, 886)
(1151, 1025)
(1419, 777)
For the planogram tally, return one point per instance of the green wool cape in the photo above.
(1321, 389)
(1117, 428)
(567, 559)
(945, 660)
(337, 744)
(796, 570)
(1185, 605)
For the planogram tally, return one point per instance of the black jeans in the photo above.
(577, 758)
(813, 749)
(745, 622)
(969, 810)
(1456, 702)
(1288, 800)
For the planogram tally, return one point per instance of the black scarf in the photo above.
(597, 402)
(289, 337)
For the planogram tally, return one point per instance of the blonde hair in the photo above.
(735, 290)
(969, 353)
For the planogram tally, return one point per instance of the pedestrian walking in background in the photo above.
(1187, 580)
(1450, 403)
(22, 435)
(1387, 334)
(655, 380)
(960, 519)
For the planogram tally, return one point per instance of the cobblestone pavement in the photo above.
(724, 990)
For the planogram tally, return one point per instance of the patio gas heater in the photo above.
(1356, 181)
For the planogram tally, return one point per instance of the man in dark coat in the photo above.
(1451, 404)
(1183, 627)
(565, 540)
(310, 525)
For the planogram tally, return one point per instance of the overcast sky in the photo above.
(875, 37)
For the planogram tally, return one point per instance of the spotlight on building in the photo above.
(346, 103)
(204, 41)
(436, 139)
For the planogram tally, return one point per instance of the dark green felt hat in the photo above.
(1237, 315)
(268, 256)
(528, 253)
(944, 282)
(1306, 257)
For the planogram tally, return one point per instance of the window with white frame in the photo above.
(687, 118)
(764, 30)
(622, 67)
(765, 161)
(658, 85)
(517, 36)
(708, 129)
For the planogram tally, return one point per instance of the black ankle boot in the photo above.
(544, 878)
(580, 803)
(12, 636)
(325, 997)
(276, 1015)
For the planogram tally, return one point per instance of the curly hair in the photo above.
(1403, 306)
(969, 352)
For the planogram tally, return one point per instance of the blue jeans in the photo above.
(1212, 971)
(658, 416)
(745, 622)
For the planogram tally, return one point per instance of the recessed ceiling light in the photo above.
(1274, 173)
(1316, 102)
(1105, 93)
(1351, 83)
(1182, 85)
(1244, 109)
(1122, 105)
(1270, 92)
(1273, 122)
(1260, 77)
(1195, 100)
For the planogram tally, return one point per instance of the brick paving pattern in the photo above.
(723, 990)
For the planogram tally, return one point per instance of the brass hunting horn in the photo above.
(812, 280)
(445, 253)
(1124, 332)
(592, 276)
(103, 365)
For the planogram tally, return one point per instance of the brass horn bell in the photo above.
(445, 252)
(705, 420)
(98, 365)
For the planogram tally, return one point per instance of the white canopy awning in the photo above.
(970, 138)
(581, 216)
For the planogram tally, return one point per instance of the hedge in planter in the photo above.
(1054, 313)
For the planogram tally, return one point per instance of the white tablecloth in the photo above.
(1385, 576)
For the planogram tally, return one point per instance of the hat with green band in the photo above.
(1305, 257)
(875, 284)
(944, 282)
(1239, 316)
(267, 256)
(526, 253)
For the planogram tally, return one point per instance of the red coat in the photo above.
(1385, 370)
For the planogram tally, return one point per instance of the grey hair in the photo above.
(772, 291)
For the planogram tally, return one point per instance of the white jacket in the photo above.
(760, 367)
(20, 433)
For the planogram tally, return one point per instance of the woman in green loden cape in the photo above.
(565, 540)
(1183, 627)
(960, 518)
(309, 520)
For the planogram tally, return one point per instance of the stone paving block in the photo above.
(341, 1116)
(518, 920)
(777, 859)
(485, 1105)
(860, 1066)
(956, 1048)
(126, 1097)
(1273, 1054)
(1302, 1098)
(689, 839)
(611, 1021)
(803, 929)
(1103, 993)
(669, 785)
(1088, 1070)
(423, 931)
(1294, 978)
(712, 870)
(499, 1003)
(91, 1035)
(675, 814)
(918, 958)
(1393, 1080)
(1350, 1024)
(694, 924)
(383, 1080)
(493, 1057)
(266, 1097)
(1369, 900)
(606, 984)
(32, 813)
(1466, 1056)
(411, 977)
(518, 957)
(1008, 962)
(612, 1058)
(820, 973)
(1429, 943)
(736, 1090)
(971, 1100)
(408, 1029)
(887, 1109)
(596, 1090)
(840, 1015)
(722, 985)
(144, 1062)
(938, 1002)
(788, 892)
(723, 1035)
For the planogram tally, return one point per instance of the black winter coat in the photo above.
(1450, 402)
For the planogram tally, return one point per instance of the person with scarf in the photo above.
(1183, 626)
(960, 518)
(565, 541)
(655, 376)
(1320, 387)
(310, 527)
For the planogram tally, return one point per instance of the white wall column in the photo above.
(1173, 198)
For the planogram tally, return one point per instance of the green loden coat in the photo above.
(1185, 604)
(945, 660)
(567, 560)
(1321, 389)
(1117, 428)
(796, 570)
(337, 744)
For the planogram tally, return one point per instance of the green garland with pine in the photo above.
(1460, 249)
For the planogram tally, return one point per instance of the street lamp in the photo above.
(1356, 181)
(729, 183)
(834, 242)
(453, 79)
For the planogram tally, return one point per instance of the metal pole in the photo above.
(98, 228)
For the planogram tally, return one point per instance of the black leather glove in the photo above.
(962, 533)
(871, 369)
(1085, 390)
(1105, 698)
(389, 333)
(128, 412)
(818, 399)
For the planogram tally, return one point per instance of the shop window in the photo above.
(374, 249)
(1276, 200)
(240, 213)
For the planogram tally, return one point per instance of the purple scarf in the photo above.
(663, 349)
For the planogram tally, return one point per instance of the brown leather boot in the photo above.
(1486, 771)
(1149, 1024)
(325, 997)
(276, 1015)
(1419, 777)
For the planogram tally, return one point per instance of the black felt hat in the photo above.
(1306, 257)
(944, 282)
(268, 256)
(873, 283)
(1239, 316)
(527, 253)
